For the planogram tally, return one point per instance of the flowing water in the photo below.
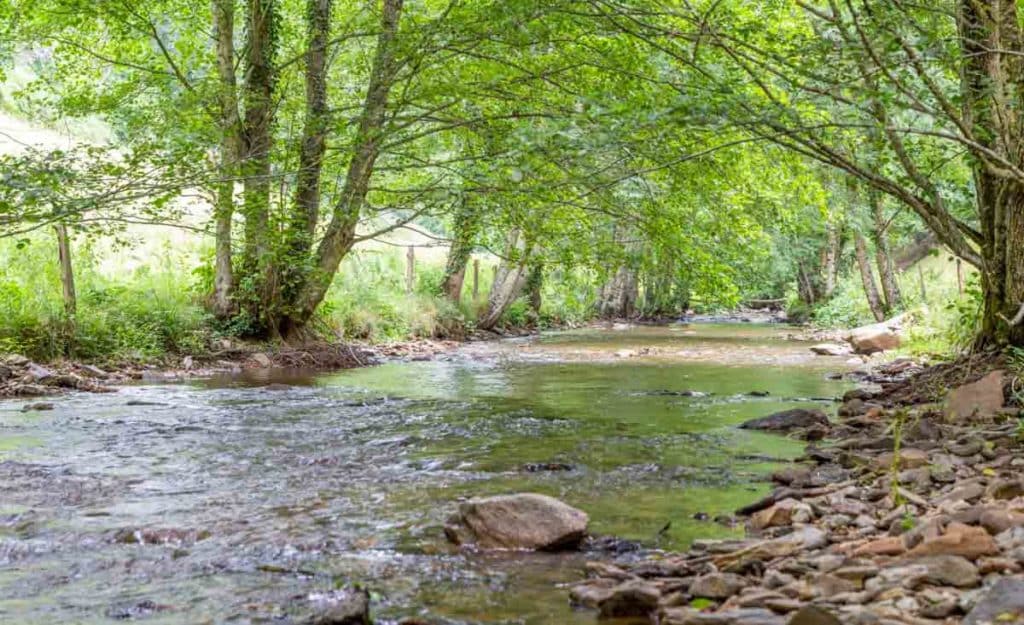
(249, 494)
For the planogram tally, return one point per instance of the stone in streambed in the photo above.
(631, 598)
(813, 615)
(909, 458)
(983, 398)
(590, 594)
(717, 585)
(741, 616)
(959, 540)
(787, 420)
(1005, 489)
(830, 349)
(526, 521)
(1003, 604)
(949, 571)
(340, 607)
(785, 512)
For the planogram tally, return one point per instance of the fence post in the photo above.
(410, 269)
(476, 278)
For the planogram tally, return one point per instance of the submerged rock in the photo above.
(523, 521)
(350, 606)
(787, 420)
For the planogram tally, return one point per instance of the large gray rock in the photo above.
(526, 521)
(788, 420)
(877, 337)
(1004, 604)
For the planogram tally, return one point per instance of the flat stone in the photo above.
(813, 615)
(1005, 489)
(591, 593)
(887, 546)
(630, 598)
(950, 571)
(830, 349)
(959, 540)
(785, 512)
(787, 420)
(717, 585)
(909, 458)
(983, 398)
(1003, 604)
(742, 616)
(967, 492)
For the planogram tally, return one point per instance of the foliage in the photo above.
(148, 312)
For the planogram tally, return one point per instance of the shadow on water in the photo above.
(227, 499)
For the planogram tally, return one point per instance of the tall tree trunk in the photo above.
(340, 234)
(992, 86)
(305, 214)
(314, 133)
(466, 226)
(805, 285)
(534, 290)
(619, 295)
(883, 255)
(830, 260)
(67, 282)
(230, 153)
(867, 277)
(508, 280)
(261, 29)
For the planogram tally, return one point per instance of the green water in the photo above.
(350, 475)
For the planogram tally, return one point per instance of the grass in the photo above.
(145, 311)
(142, 302)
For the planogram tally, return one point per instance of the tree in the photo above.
(924, 84)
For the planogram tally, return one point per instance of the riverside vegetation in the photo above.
(191, 189)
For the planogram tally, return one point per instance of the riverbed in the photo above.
(234, 498)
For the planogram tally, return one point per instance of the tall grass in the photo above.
(135, 313)
(144, 302)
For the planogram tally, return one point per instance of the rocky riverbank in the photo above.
(903, 514)
(21, 377)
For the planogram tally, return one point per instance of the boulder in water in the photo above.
(788, 420)
(526, 521)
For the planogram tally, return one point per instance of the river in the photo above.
(253, 491)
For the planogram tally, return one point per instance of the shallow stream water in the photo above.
(252, 492)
